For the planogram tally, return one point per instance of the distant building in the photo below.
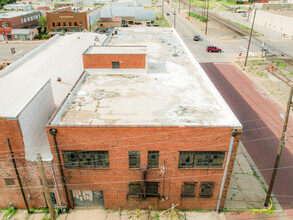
(66, 20)
(109, 22)
(11, 21)
(18, 7)
(139, 13)
(62, 4)
(132, 3)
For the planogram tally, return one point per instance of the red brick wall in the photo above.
(66, 16)
(168, 140)
(28, 171)
(15, 22)
(104, 61)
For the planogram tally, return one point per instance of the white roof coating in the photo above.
(15, 14)
(62, 58)
(117, 50)
(16, 93)
(174, 91)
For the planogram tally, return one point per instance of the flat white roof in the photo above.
(62, 58)
(15, 14)
(117, 50)
(16, 93)
(174, 91)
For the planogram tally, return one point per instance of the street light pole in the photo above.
(250, 38)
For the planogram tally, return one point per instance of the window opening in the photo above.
(153, 159)
(134, 159)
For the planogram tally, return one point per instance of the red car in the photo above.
(213, 49)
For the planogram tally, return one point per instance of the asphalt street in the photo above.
(230, 47)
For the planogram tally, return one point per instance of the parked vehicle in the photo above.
(241, 11)
(155, 24)
(213, 49)
(168, 13)
(137, 22)
(124, 25)
(196, 37)
(243, 15)
(148, 23)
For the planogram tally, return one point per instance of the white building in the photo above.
(139, 13)
(18, 7)
(132, 3)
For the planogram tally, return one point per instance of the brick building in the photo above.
(139, 136)
(17, 20)
(109, 22)
(66, 20)
(28, 98)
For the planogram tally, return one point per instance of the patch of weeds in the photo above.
(234, 36)
(291, 73)
(138, 213)
(174, 214)
(46, 218)
(156, 216)
(32, 210)
(10, 213)
(45, 210)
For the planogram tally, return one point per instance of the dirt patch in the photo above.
(266, 73)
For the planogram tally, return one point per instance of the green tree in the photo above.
(5, 2)
(43, 27)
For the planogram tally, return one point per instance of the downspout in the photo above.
(53, 132)
(234, 134)
(55, 181)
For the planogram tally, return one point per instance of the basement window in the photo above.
(9, 181)
(115, 65)
(86, 159)
(153, 159)
(188, 189)
(134, 189)
(206, 189)
(134, 159)
(201, 159)
(152, 189)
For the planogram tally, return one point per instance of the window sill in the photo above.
(86, 168)
(184, 196)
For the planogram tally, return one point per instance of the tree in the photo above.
(43, 27)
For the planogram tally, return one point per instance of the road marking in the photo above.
(17, 53)
(246, 50)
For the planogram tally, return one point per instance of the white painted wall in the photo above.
(275, 22)
(33, 119)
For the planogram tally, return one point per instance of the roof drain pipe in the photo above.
(53, 132)
(234, 134)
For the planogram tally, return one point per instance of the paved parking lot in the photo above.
(21, 48)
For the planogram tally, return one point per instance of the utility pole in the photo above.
(280, 148)
(163, 13)
(45, 187)
(189, 9)
(247, 52)
(174, 19)
(17, 176)
(206, 31)
(203, 8)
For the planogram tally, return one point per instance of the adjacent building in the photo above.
(138, 13)
(109, 22)
(13, 23)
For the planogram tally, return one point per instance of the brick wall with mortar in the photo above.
(16, 23)
(104, 61)
(66, 16)
(28, 171)
(168, 141)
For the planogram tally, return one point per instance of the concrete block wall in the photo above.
(168, 141)
(104, 61)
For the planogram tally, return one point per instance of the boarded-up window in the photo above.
(201, 159)
(86, 159)
(188, 189)
(9, 181)
(134, 159)
(152, 189)
(153, 159)
(206, 189)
